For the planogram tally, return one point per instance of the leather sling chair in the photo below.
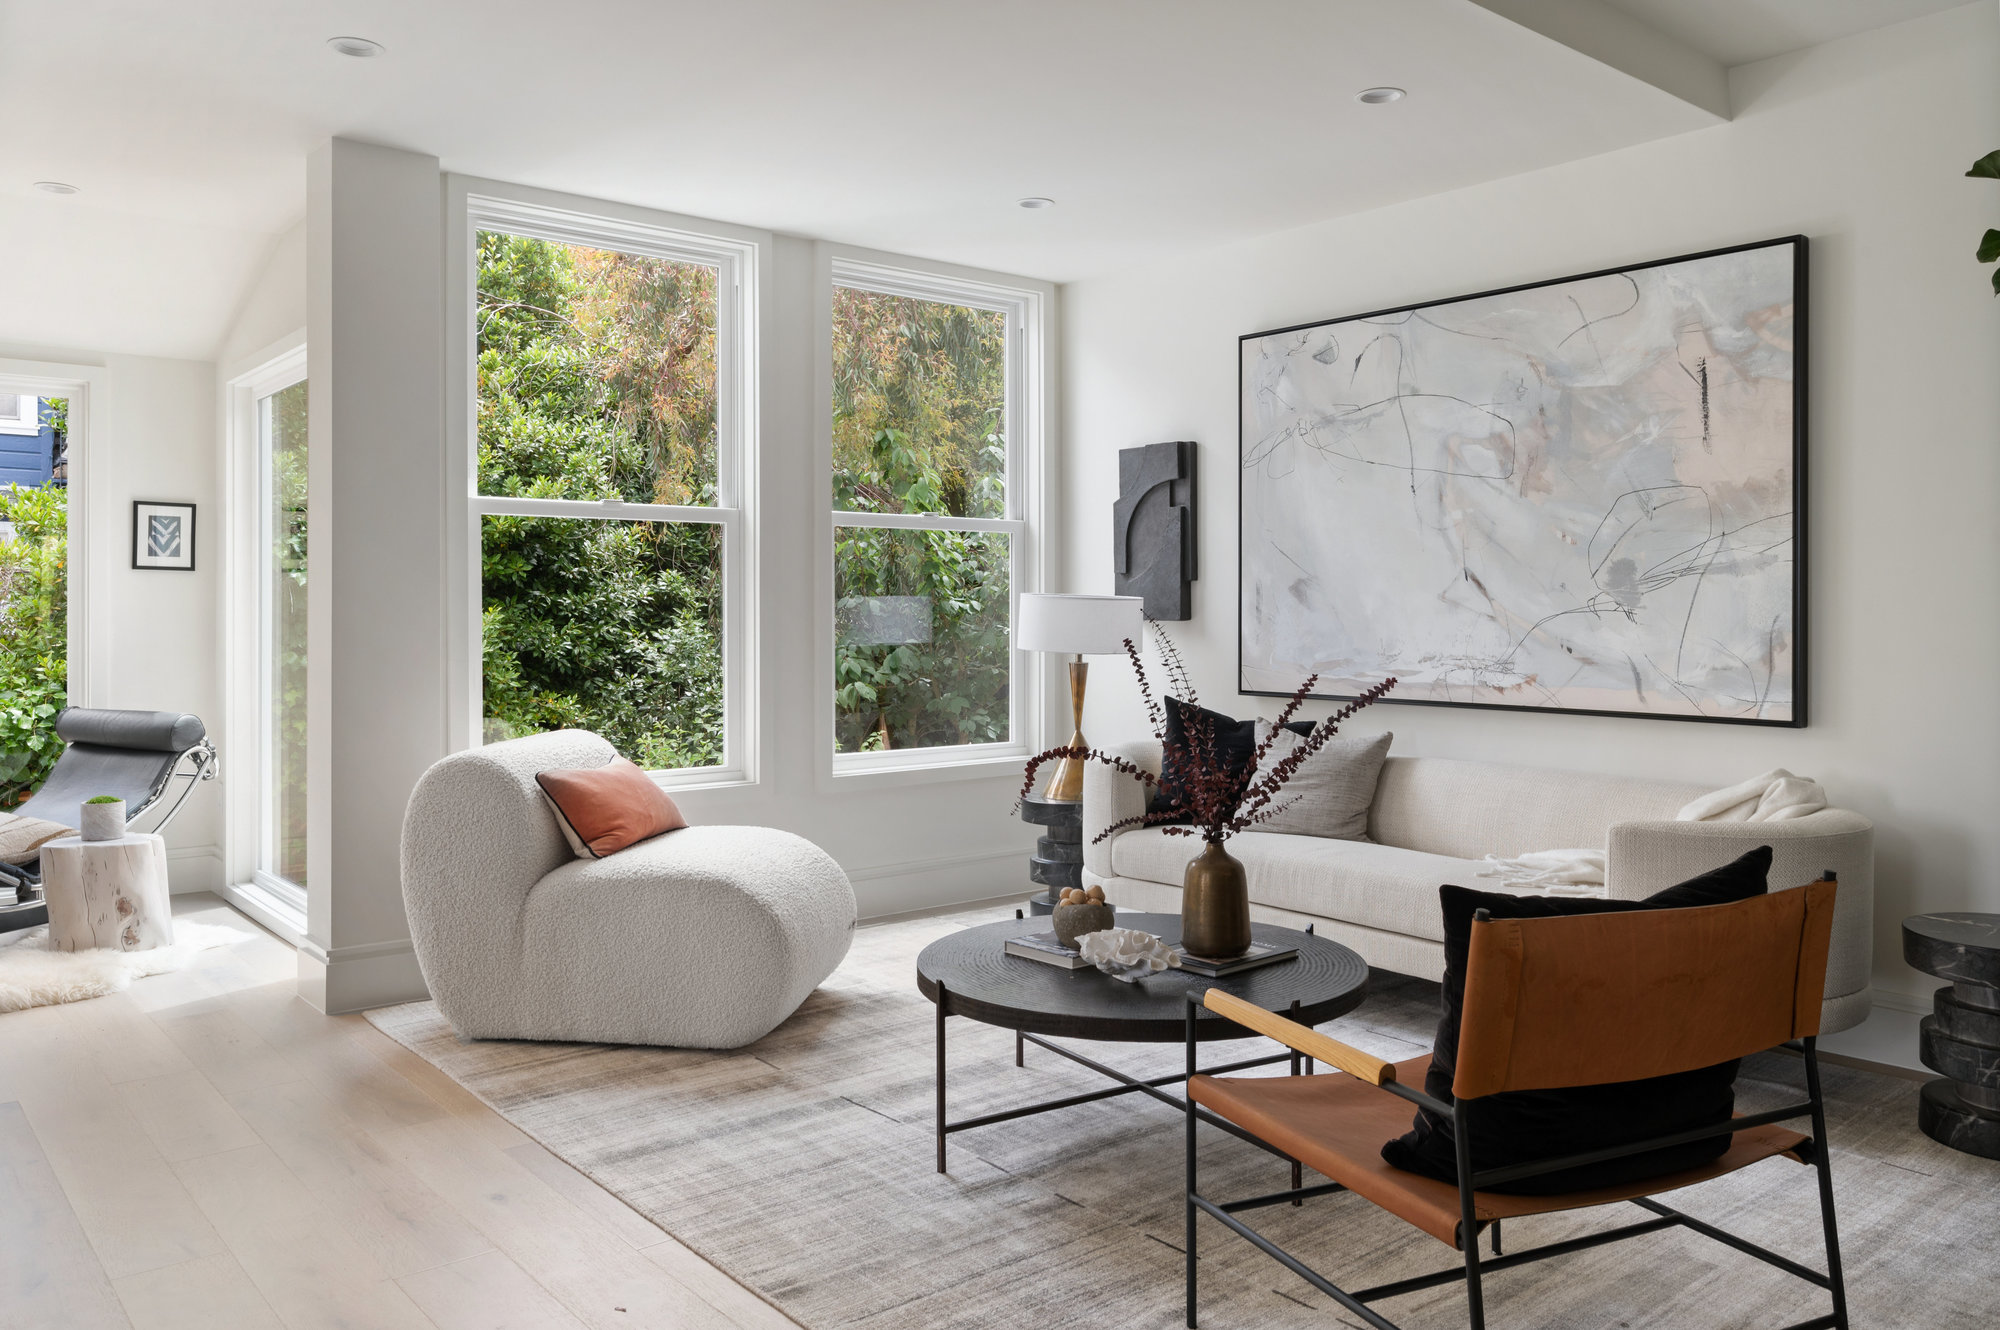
(1549, 1003)
(135, 755)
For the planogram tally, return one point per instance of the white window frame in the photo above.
(479, 205)
(19, 424)
(1027, 413)
(89, 612)
(276, 902)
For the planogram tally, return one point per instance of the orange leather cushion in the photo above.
(605, 809)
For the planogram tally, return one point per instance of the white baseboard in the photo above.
(924, 884)
(194, 868)
(373, 974)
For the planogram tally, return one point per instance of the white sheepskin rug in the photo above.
(31, 975)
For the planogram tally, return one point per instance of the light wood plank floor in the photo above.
(207, 1151)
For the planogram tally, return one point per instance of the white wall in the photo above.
(273, 307)
(151, 644)
(1860, 144)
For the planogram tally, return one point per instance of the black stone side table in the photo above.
(1058, 858)
(1962, 1038)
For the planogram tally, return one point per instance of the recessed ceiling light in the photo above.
(1035, 203)
(358, 47)
(56, 187)
(1379, 96)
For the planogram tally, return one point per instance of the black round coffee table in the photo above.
(970, 974)
(1962, 1036)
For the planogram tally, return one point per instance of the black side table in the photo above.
(1962, 1037)
(1058, 858)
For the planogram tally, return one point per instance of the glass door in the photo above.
(281, 545)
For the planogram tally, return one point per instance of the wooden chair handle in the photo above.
(1320, 1047)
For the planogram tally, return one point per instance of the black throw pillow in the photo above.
(1520, 1126)
(1233, 741)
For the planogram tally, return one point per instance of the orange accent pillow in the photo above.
(603, 810)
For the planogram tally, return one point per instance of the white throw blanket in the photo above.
(1556, 872)
(1775, 796)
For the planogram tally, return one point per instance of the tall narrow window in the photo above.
(928, 515)
(606, 504)
(281, 611)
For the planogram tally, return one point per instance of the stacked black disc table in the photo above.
(1962, 1038)
(1058, 858)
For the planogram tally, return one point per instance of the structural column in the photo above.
(376, 698)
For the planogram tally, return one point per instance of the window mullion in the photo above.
(1003, 526)
(488, 505)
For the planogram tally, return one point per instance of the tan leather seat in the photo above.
(1336, 1124)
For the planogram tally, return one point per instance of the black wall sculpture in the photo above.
(1152, 528)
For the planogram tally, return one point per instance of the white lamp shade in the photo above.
(1077, 625)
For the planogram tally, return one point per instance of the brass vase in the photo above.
(1215, 905)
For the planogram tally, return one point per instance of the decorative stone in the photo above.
(1962, 1037)
(1945, 1117)
(1048, 847)
(1058, 858)
(1964, 948)
(1959, 1016)
(1073, 921)
(110, 894)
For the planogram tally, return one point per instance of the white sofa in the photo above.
(1432, 822)
(706, 937)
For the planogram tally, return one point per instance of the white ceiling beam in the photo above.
(1612, 37)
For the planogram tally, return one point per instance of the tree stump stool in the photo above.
(107, 893)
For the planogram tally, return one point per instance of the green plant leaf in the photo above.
(1989, 248)
(1987, 167)
(1996, 281)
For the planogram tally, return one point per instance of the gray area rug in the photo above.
(803, 1166)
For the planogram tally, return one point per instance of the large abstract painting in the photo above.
(1581, 495)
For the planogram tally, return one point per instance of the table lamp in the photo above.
(1077, 626)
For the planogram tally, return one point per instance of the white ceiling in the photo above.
(1739, 31)
(905, 125)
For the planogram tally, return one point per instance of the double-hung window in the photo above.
(607, 534)
(935, 420)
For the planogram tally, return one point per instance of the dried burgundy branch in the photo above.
(1153, 713)
(1112, 760)
(1178, 681)
(1284, 718)
(1215, 798)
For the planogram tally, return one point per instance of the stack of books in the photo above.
(1045, 948)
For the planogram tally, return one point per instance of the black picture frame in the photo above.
(1801, 344)
(146, 555)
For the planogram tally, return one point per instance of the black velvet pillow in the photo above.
(1520, 1126)
(1233, 741)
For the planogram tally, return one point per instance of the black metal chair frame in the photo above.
(1470, 1181)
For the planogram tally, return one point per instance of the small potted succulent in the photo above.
(1206, 796)
(103, 818)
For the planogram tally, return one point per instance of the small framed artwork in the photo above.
(162, 535)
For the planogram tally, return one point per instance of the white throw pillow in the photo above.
(1331, 793)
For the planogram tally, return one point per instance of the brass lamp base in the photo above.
(1066, 781)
